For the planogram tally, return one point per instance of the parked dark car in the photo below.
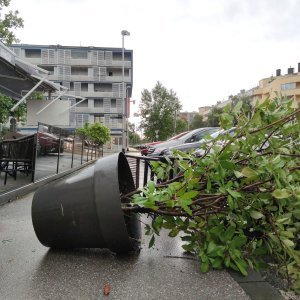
(189, 137)
(188, 147)
(146, 147)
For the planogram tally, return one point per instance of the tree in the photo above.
(95, 133)
(6, 104)
(213, 118)
(181, 125)
(244, 99)
(8, 22)
(240, 202)
(157, 109)
(99, 134)
(197, 122)
(134, 138)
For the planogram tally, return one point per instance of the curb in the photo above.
(255, 286)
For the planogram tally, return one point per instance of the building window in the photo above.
(50, 69)
(84, 87)
(98, 103)
(288, 86)
(79, 54)
(99, 119)
(102, 87)
(33, 53)
(113, 103)
(82, 104)
(79, 71)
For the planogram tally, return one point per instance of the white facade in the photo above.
(90, 72)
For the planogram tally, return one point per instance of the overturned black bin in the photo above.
(84, 210)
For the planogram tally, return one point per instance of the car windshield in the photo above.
(221, 132)
(178, 136)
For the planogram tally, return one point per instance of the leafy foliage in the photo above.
(157, 110)
(6, 104)
(198, 122)
(96, 133)
(213, 118)
(181, 125)
(240, 201)
(8, 22)
(134, 138)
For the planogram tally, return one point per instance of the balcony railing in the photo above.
(81, 62)
(96, 110)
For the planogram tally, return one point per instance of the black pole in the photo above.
(82, 150)
(73, 144)
(58, 157)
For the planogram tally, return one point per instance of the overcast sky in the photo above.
(205, 50)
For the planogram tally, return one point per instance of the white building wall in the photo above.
(53, 115)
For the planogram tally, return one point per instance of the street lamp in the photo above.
(123, 33)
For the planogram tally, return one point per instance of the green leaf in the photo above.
(184, 203)
(296, 214)
(227, 164)
(216, 262)
(256, 214)
(214, 250)
(238, 241)
(168, 225)
(281, 194)
(241, 266)
(288, 243)
(249, 173)
(204, 266)
(238, 174)
(284, 220)
(231, 202)
(229, 232)
(234, 194)
(174, 186)
(188, 247)
(173, 232)
(238, 107)
(152, 241)
(189, 195)
(151, 186)
(227, 261)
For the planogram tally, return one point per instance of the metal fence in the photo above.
(142, 171)
(62, 147)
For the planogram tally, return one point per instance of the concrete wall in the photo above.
(51, 115)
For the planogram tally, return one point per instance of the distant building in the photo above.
(204, 111)
(286, 85)
(188, 116)
(94, 73)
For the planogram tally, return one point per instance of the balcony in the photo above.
(33, 60)
(96, 110)
(88, 78)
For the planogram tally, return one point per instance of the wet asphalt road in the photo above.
(28, 270)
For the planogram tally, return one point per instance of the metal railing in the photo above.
(141, 169)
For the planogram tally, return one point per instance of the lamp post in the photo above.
(123, 33)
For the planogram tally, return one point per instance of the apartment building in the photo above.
(93, 73)
(188, 116)
(287, 85)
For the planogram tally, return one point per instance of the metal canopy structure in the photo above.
(18, 77)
